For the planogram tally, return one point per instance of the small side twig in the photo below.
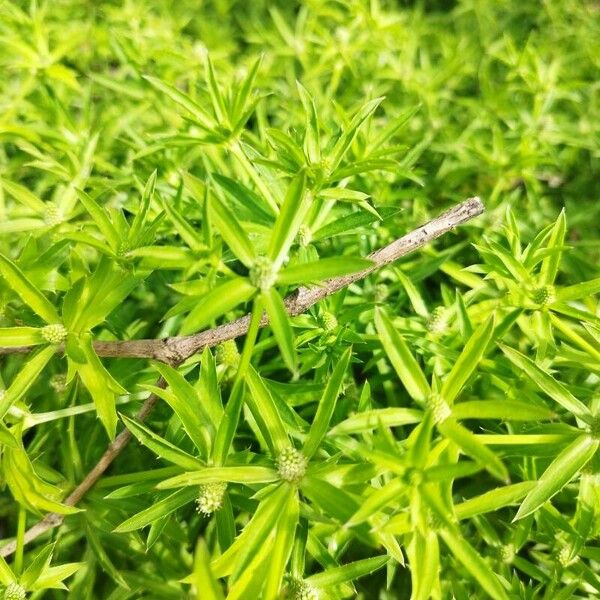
(177, 349)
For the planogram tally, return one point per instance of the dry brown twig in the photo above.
(177, 349)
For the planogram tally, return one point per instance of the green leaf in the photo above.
(467, 361)
(291, 215)
(402, 360)
(547, 383)
(562, 469)
(322, 269)
(231, 231)
(472, 447)
(224, 297)
(248, 474)
(25, 378)
(424, 556)
(21, 336)
(346, 137)
(6, 574)
(507, 410)
(280, 324)
(27, 291)
(28, 488)
(371, 419)
(282, 548)
(207, 587)
(347, 572)
(100, 383)
(107, 229)
(263, 522)
(312, 143)
(473, 562)
(584, 289)
(326, 406)
(157, 510)
(551, 262)
(187, 406)
(160, 446)
(36, 567)
(24, 196)
(265, 413)
(379, 499)
(493, 500)
(183, 100)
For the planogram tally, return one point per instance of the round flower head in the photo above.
(54, 334)
(302, 590)
(228, 354)
(14, 591)
(439, 408)
(262, 274)
(210, 497)
(52, 215)
(328, 321)
(437, 320)
(507, 553)
(291, 465)
(304, 235)
(544, 295)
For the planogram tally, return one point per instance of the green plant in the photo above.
(230, 364)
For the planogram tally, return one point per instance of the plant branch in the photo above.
(175, 350)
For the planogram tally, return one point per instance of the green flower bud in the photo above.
(291, 465)
(302, 590)
(565, 556)
(228, 355)
(262, 273)
(328, 321)
(14, 591)
(439, 408)
(507, 553)
(54, 334)
(438, 320)
(58, 382)
(544, 295)
(380, 293)
(52, 216)
(210, 498)
(304, 235)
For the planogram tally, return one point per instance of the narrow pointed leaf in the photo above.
(280, 324)
(402, 360)
(27, 291)
(326, 406)
(562, 469)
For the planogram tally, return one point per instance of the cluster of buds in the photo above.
(52, 216)
(228, 354)
(291, 465)
(544, 295)
(438, 320)
(566, 557)
(439, 408)
(328, 321)
(304, 235)
(262, 274)
(54, 334)
(210, 498)
(58, 382)
(302, 590)
(507, 553)
(14, 591)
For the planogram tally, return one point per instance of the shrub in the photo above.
(233, 366)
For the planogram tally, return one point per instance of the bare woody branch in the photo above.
(175, 350)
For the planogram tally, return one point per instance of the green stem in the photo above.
(18, 566)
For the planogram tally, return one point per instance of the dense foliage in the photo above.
(429, 431)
